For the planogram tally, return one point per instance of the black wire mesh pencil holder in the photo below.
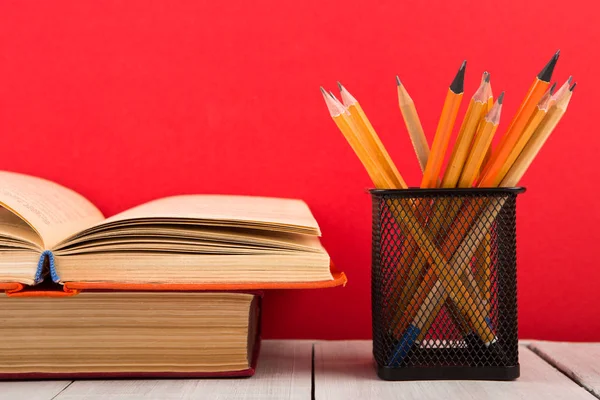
(444, 284)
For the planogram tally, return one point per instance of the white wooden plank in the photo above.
(284, 372)
(580, 361)
(345, 370)
(31, 390)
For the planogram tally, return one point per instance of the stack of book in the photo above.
(168, 288)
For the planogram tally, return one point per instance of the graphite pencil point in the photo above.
(572, 87)
(501, 98)
(546, 72)
(458, 84)
(398, 81)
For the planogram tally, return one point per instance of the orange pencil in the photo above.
(518, 124)
(545, 103)
(444, 130)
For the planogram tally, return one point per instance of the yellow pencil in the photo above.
(518, 124)
(538, 139)
(436, 297)
(490, 104)
(475, 113)
(413, 125)
(482, 142)
(344, 122)
(534, 121)
(372, 141)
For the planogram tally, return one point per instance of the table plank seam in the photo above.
(569, 374)
(62, 390)
(312, 376)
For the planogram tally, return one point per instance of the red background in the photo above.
(129, 101)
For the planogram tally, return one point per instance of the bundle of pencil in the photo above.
(472, 163)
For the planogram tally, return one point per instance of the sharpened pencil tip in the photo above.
(557, 53)
(339, 86)
(553, 88)
(570, 79)
(487, 77)
(458, 84)
(573, 87)
(398, 81)
(332, 95)
(546, 72)
(500, 98)
(323, 90)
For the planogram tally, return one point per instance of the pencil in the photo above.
(418, 260)
(372, 141)
(483, 272)
(345, 124)
(475, 112)
(413, 125)
(422, 323)
(518, 124)
(538, 139)
(444, 129)
(452, 284)
(563, 89)
(490, 104)
(438, 291)
(483, 254)
(482, 142)
(534, 122)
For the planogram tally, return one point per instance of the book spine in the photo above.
(39, 275)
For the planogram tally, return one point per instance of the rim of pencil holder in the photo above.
(413, 191)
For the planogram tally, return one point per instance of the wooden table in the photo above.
(344, 370)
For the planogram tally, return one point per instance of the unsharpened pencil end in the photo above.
(573, 87)
(458, 84)
(553, 88)
(546, 72)
(398, 81)
(500, 98)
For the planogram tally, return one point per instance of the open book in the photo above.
(47, 229)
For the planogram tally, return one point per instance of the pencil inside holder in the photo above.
(444, 287)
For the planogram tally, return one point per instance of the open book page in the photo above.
(285, 214)
(192, 234)
(16, 231)
(52, 210)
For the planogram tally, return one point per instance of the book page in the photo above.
(52, 210)
(265, 211)
(13, 227)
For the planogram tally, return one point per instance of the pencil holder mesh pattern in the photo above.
(444, 286)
